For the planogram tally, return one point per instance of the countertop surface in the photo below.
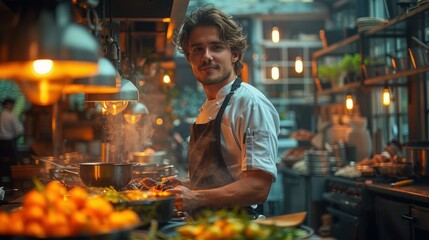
(416, 191)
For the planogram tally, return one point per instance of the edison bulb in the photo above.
(299, 66)
(43, 66)
(275, 73)
(114, 107)
(349, 102)
(132, 118)
(166, 79)
(275, 35)
(386, 97)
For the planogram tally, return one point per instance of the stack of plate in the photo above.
(366, 23)
(318, 162)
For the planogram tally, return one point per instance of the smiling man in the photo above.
(233, 145)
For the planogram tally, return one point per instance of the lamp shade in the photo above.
(134, 112)
(128, 92)
(106, 80)
(43, 30)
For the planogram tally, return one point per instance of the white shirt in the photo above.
(10, 126)
(250, 129)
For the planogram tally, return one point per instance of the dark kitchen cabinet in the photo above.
(420, 222)
(389, 221)
(400, 220)
(397, 212)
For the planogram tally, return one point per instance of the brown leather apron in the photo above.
(207, 168)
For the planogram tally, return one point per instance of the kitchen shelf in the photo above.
(395, 27)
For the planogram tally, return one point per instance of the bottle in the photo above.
(360, 138)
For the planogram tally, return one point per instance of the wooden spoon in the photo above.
(287, 220)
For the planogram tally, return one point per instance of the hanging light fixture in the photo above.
(44, 50)
(349, 101)
(275, 35)
(106, 80)
(134, 112)
(299, 66)
(275, 73)
(386, 98)
(114, 103)
(166, 79)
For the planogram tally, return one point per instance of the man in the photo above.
(233, 143)
(10, 129)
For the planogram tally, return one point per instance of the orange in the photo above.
(99, 207)
(130, 217)
(4, 223)
(34, 198)
(33, 213)
(16, 217)
(78, 195)
(56, 224)
(65, 206)
(34, 229)
(54, 191)
(78, 222)
(115, 221)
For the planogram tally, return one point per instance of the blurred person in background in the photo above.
(233, 142)
(10, 129)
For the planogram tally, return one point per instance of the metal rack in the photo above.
(396, 27)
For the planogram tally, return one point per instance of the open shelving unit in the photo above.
(394, 28)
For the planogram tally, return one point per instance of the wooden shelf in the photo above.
(394, 27)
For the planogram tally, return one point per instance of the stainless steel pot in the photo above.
(143, 157)
(417, 154)
(102, 174)
(98, 174)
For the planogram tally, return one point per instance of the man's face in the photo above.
(211, 59)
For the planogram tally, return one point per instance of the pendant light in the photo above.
(114, 103)
(349, 101)
(299, 66)
(44, 50)
(134, 112)
(106, 80)
(386, 97)
(275, 35)
(166, 79)
(275, 73)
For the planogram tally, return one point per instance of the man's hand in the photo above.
(186, 199)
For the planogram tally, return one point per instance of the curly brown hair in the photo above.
(230, 31)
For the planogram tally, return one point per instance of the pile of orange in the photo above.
(57, 212)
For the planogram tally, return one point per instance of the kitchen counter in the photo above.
(414, 192)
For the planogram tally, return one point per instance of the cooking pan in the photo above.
(100, 174)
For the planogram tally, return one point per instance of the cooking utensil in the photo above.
(154, 171)
(402, 183)
(145, 157)
(417, 154)
(288, 220)
(102, 174)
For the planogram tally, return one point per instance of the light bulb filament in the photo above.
(275, 73)
(299, 66)
(349, 102)
(43, 66)
(386, 97)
